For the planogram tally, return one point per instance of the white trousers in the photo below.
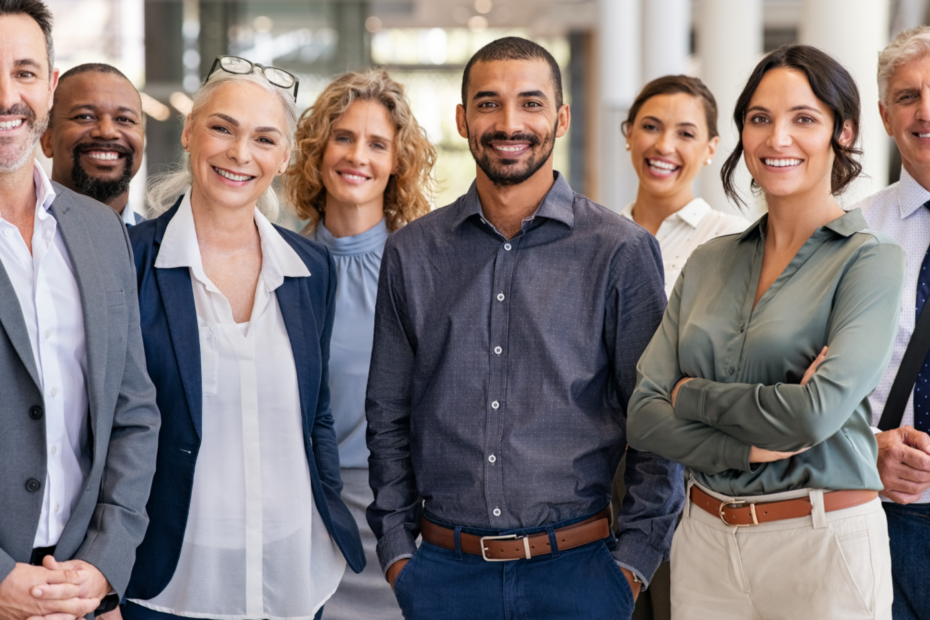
(833, 565)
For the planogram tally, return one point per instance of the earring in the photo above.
(628, 146)
(709, 161)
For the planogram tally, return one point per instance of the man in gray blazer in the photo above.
(78, 421)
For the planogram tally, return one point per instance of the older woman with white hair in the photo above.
(246, 518)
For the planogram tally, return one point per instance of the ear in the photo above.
(886, 118)
(846, 136)
(186, 134)
(46, 142)
(712, 146)
(287, 160)
(565, 119)
(460, 122)
(53, 84)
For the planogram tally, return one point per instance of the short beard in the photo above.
(20, 159)
(504, 173)
(100, 190)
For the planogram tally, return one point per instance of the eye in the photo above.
(265, 140)
(25, 74)
(487, 104)
(378, 145)
(806, 120)
(124, 119)
(649, 126)
(907, 97)
(758, 119)
(533, 104)
(83, 117)
(687, 134)
(342, 139)
(219, 129)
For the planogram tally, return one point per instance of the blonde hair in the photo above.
(163, 191)
(905, 47)
(406, 196)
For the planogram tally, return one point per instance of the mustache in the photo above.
(87, 147)
(499, 136)
(20, 109)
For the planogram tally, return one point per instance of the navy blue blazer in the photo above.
(172, 353)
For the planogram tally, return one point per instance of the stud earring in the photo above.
(709, 161)
(628, 146)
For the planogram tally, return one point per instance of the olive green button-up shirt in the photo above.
(843, 290)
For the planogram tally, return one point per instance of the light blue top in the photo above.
(358, 262)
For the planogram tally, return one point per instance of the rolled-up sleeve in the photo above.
(394, 514)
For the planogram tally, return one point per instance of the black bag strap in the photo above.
(914, 357)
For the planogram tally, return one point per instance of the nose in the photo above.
(8, 92)
(358, 153)
(509, 120)
(665, 143)
(923, 109)
(105, 129)
(779, 134)
(239, 150)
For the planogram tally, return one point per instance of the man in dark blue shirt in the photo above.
(507, 330)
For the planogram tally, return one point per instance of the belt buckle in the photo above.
(526, 547)
(736, 504)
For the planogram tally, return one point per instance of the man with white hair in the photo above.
(901, 402)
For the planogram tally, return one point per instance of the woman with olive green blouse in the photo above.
(758, 377)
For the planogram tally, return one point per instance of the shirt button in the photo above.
(33, 485)
(48, 333)
(500, 297)
(54, 392)
(54, 449)
(57, 509)
(731, 370)
(492, 458)
(496, 512)
(507, 247)
(495, 405)
(742, 328)
(498, 350)
(7, 232)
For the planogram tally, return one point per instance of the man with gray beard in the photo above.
(78, 420)
(95, 135)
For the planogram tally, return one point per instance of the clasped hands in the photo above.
(760, 455)
(53, 591)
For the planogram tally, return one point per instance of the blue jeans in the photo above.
(131, 611)
(909, 531)
(584, 583)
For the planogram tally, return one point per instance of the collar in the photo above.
(179, 248)
(363, 243)
(911, 194)
(128, 215)
(845, 225)
(45, 193)
(557, 205)
(691, 214)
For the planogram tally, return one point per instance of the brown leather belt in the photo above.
(741, 513)
(512, 547)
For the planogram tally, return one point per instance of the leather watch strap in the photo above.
(500, 548)
(746, 513)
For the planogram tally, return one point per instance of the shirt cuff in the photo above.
(397, 544)
(689, 404)
(634, 553)
(875, 430)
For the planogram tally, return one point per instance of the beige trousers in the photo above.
(827, 566)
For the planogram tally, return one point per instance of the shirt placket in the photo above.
(501, 302)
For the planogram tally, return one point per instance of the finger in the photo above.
(915, 438)
(76, 577)
(914, 458)
(53, 617)
(58, 592)
(900, 498)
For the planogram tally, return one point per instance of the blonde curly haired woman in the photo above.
(362, 171)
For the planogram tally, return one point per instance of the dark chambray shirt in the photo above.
(501, 373)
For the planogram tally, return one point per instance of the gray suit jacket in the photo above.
(109, 520)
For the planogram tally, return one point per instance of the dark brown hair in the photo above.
(37, 10)
(670, 85)
(514, 48)
(832, 85)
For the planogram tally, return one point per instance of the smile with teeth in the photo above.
(7, 125)
(919, 135)
(510, 149)
(782, 163)
(352, 177)
(103, 155)
(663, 166)
(226, 174)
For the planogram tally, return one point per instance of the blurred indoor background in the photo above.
(607, 49)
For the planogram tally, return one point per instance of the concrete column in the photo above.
(854, 32)
(619, 62)
(666, 37)
(729, 45)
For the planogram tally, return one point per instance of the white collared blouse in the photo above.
(683, 231)
(255, 545)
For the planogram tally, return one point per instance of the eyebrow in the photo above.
(342, 130)
(481, 94)
(27, 62)
(91, 106)
(794, 109)
(235, 123)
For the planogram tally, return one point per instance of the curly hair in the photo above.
(408, 191)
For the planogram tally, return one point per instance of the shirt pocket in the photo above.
(209, 361)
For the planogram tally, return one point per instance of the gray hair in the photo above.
(905, 47)
(165, 189)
